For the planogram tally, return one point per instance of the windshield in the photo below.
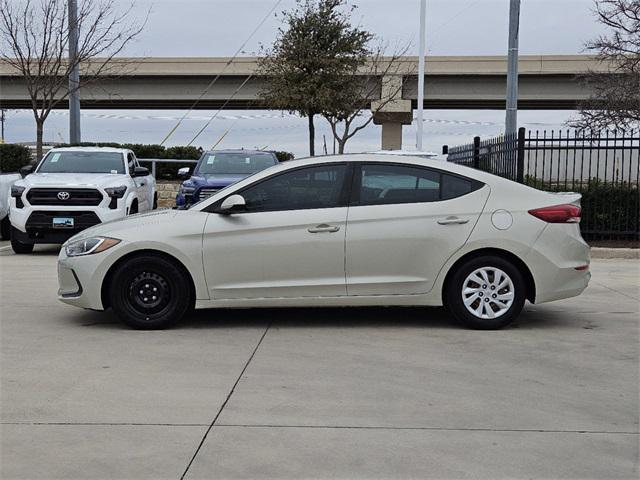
(82, 162)
(236, 163)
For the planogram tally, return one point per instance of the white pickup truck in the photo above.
(75, 188)
(6, 181)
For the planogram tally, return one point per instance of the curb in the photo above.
(627, 253)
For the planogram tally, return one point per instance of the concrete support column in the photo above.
(391, 136)
(391, 111)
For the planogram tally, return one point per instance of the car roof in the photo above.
(434, 163)
(238, 150)
(90, 149)
(403, 153)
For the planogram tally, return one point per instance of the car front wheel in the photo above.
(18, 246)
(149, 292)
(5, 228)
(485, 293)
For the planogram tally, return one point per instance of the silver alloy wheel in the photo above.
(488, 293)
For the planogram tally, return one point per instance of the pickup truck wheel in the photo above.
(149, 292)
(5, 228)
(19, 247)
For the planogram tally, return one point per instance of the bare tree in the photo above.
(34, 38)
(375, 85)
(615, 102)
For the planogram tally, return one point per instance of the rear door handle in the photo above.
(453, 221)
(323, 227)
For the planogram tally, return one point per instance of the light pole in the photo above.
(511, 121)
(74, 75)
(421, 54)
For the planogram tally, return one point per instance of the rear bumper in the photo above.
(556, 261)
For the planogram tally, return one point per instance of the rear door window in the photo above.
(385, 184)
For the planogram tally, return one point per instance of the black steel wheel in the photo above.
(149, 292)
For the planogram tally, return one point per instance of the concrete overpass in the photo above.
(546, 82)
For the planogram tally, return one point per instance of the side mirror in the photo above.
(183, 172)
(140, 172)
(233, 203)
(26, 170)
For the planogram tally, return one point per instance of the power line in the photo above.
(204, 92)
(219, 110)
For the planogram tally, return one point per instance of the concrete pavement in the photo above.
(340, 393)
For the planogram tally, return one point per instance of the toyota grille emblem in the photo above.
(63, 195)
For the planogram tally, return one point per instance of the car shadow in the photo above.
(532, 317)
(317, 317)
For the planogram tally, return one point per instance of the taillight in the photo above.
(567, 213)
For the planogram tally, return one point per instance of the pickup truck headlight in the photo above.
(116, 192)
(90, 245)
(187, 190)
(17, 191)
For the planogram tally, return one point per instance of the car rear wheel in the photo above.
(18, 246)
(485, 293)
(149, 292)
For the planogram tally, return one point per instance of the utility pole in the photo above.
(511, 122)
(74, 76)
(421, 53)
(2, 123)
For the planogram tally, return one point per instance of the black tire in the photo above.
(485, 292)
(155, 201)
(138, 281)
(19, 247)
(133, 209)
(5, 228)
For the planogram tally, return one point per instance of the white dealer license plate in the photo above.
(62, 222)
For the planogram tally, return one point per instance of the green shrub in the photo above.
(183, 153)
(284, 156)
(13, 157)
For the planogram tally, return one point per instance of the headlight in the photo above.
(116, 192)
(187, 190)
(16, 191)
(90, 245)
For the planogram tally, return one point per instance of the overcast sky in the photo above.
(219, 27)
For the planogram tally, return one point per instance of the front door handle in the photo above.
(453, 221)
(323, 227)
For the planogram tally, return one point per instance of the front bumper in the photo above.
(80, 279)
(35, 224)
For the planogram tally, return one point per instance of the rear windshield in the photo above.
(236, 163)
(82, 162)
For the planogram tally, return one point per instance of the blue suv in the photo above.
(218, 169)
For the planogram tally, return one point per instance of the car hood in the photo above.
(70, 180)
(219, 180)
(110, 229)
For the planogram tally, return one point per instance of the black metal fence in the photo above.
(603, 166)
